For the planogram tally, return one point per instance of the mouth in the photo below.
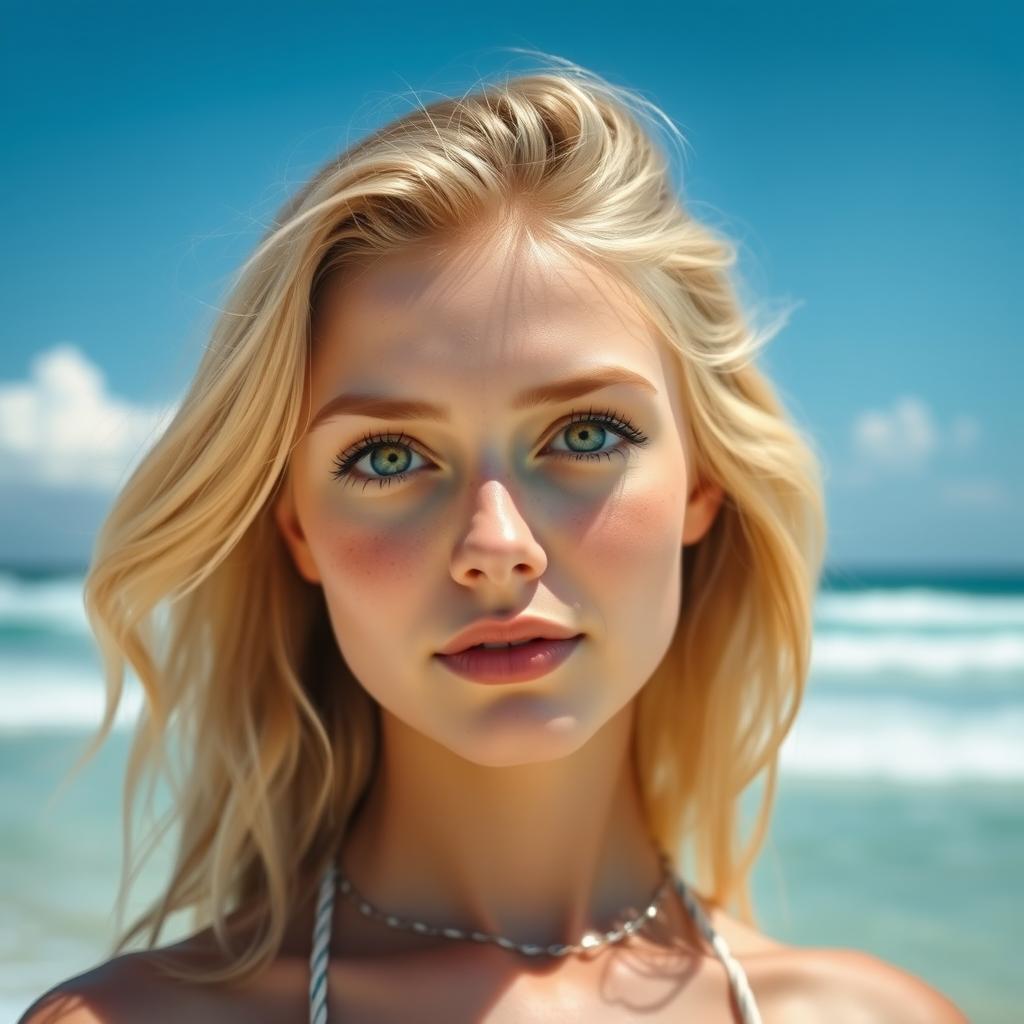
(510, 662)
(501, 646)
(510, 634)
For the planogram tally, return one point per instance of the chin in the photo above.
(521, 732)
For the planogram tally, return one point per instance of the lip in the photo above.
(507, 631)
(511, 664)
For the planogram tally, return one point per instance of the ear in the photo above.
(287, 519)
(701, 508)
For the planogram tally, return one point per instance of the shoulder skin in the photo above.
(124, 990)
(848, 986)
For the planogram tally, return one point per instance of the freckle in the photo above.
(373, 555)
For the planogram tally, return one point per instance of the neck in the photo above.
(538, 853)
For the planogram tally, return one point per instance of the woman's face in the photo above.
(433, 524)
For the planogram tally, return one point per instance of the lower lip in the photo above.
(510, 664)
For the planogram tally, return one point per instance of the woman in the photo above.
(485, 382)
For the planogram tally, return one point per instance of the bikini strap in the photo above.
(749, 1013)
(320, 955)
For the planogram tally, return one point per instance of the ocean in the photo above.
(898, 828)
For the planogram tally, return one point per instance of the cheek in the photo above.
(371, 559)
(632, 558)
(633, 533)
(372, 580)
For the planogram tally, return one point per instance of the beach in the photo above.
(898, 828)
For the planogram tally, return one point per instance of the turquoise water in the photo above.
(899, 826)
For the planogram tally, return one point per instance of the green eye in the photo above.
(387, 458)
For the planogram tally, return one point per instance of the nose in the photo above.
(498, 546)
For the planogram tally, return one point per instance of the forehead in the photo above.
(482, 309)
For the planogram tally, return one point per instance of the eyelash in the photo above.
(346, 460)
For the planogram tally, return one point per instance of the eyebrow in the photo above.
(394, 408)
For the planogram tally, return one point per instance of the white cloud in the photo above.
(61, 428)
(902, 437)
(907, 435)
(905, 438)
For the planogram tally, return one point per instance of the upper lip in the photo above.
(508, 631)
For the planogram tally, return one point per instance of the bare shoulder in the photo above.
(110, 993)
(845, 986)
(132, 987)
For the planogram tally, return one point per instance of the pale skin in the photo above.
(503, 808)
(507, 809)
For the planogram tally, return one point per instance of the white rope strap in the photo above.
(737, 977)
(320, 954)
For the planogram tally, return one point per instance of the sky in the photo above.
(866, 159)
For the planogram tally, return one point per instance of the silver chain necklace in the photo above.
(591, 940)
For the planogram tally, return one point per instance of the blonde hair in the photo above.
(191, 582)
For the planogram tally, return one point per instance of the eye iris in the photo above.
(386, 463)
(583, 433)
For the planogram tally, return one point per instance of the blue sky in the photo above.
(867, 159)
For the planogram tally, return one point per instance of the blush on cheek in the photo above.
(371, 579)
(632, 558)
(373, 560)
(637, 529)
